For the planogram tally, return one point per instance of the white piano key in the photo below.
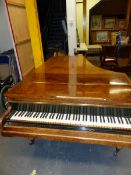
(78, 120)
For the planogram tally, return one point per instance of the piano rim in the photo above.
(87, 103)
(114, 140)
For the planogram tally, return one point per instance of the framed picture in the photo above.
(121, 24)
(102, 36)
(109, 23)
(96, 22)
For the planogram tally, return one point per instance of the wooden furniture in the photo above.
(68, 86)
(109, 57)
(114, 58)
(82, 49)
(125, 51)
(94, 49)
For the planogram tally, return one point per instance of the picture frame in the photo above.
(122, 24)
(109, 23)
(102, 36)
(96, 22)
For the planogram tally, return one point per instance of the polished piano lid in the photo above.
(72, 80)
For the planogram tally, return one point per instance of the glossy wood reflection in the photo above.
(73, 80)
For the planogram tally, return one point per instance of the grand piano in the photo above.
(69, 99)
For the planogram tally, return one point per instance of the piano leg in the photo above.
(31, 141)
(116, 152)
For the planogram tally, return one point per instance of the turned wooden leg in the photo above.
(31, 141)
(115, 154)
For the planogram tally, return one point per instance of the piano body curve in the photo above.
(81, 103)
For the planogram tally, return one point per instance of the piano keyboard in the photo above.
(87, 116)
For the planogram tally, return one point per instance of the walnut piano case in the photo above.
(69, 99)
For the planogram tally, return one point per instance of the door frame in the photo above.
(35, 34)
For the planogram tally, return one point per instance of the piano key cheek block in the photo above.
(73, 101)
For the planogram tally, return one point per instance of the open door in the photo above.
(19, 24)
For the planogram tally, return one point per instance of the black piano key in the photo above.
(74, 112)
(101, 117)
(16, 113)
(61, 112)
(69, 116)
(126, 120)
(43, 111)
(79, 113)
(102, 114)
(31, 114)
(108, 115)
(112, 112)
(95, 114)
(86, 112)
(119, 120)
(47, 111)
(35, 115)
(129, 121)
(105, 113)
(113, 115)
(68, 112)
(18, 107)
(23, 110)
(93, 117)
(29, 110)
(55, 108)
(111, 119)
(120, 116)
(42, 107)
(90, 114)
(66, 116)
(129, 112)
(82, 112)
(52, 112)
(44, 114)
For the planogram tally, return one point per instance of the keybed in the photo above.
(88, 116)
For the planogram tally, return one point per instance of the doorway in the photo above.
(53, 26)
